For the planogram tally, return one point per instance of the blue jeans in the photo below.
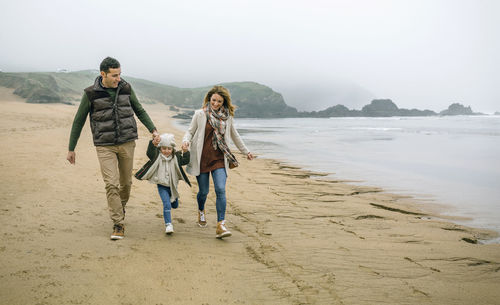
(219, 177)
(165, 195)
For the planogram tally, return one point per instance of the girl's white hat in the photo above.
(167, 139)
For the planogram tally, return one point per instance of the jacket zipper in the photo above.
(115, 110)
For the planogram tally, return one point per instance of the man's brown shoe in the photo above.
(221, 230)
(118, 232)
(202, 221)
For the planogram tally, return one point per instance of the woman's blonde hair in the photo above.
(224, 93)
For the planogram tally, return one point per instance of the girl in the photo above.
(164, 169)
(209, 134)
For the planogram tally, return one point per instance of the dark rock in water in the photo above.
(334, 111)
(457, 109)
(415, 112)
(380, 108)
(184, 116)
(497, 113)
(387, 108)
(377, 108)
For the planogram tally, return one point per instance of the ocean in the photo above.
(450, 162)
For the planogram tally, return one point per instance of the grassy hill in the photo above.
(252, 99)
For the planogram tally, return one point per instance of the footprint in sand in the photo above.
(180, 220)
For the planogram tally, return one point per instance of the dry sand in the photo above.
(297, 239)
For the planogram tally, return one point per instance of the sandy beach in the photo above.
(298, 238)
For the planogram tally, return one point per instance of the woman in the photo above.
(208, 135)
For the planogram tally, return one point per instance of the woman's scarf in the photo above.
(217, 120)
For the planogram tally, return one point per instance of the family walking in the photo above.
(110, 103)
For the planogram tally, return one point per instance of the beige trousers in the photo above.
(116, 167)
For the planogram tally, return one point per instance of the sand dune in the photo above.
(298, 238)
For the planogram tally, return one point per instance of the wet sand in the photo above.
(298, 238)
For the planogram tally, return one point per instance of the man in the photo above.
(111, 104)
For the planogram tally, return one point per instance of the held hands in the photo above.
(156, 137)
(185, 146)
(156, 141)
(155, 134)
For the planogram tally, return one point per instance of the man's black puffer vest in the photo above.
(112, 121)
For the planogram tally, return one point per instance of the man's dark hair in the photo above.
(109, 63)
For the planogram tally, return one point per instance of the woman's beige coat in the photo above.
(196, 134)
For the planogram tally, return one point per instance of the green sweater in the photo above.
(84, 109)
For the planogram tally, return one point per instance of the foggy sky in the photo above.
(420, 54)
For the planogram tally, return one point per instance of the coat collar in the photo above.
(99, 87)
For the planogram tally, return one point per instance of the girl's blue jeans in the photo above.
(165, 195)
(219, 177)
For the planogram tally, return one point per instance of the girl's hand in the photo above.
(250, 156)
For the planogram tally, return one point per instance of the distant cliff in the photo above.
(258, 101)
(458, 109)
(386, 108)
(252, 99)
(377, 108)
(34, 87)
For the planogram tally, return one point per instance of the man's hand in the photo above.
(250, 156)
(71, 157)
(155, 134)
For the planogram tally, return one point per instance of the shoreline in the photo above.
(430, 203)
(414, 205)
(296, 239)
(409, 157)
(431, 208)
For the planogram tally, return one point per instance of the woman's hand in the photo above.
(185, 147)
(250, 156)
